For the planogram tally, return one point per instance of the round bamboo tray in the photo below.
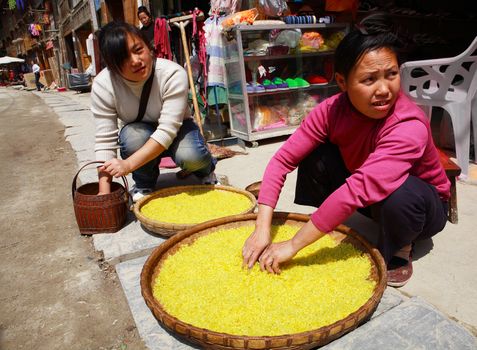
(214, 340)
(254, 188)
(169, 229)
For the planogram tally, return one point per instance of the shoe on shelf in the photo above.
(317, 80)
(280, 83)
(269, 85)
(210, 179)
(399, 271)
(291, 83)
(301, 83)
(138, 192)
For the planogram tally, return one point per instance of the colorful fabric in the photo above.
(380, 155)
(161, 39)
(215, 47)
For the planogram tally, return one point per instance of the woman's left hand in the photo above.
(275, 254)
(116, 167)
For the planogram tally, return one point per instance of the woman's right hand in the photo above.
(260, 237)
(254, 246)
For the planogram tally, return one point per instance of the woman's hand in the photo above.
(260, 238)
(116, 167)
(275, 254)
(254, 246)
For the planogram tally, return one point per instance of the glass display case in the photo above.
(275, 75)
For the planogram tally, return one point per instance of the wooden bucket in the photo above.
(100, 214)
(214, 340)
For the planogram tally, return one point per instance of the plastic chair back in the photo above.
(449, 83)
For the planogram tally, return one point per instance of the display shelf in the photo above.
(260, 115)
(288, 91)
(287, 56)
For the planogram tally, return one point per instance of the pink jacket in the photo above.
(380, 154)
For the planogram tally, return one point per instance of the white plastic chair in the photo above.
(449, 83)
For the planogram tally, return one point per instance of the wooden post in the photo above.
(182, 25)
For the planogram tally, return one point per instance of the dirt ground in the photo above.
(55, 290)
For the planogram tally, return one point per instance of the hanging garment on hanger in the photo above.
(161, 39)
(215, 46)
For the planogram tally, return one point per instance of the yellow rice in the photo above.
(196, 206)
(203, 284)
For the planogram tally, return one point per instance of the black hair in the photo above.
(113, 46)
(142, 9)
(373, 32)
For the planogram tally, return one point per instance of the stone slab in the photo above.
(414, 324)
(157, 338)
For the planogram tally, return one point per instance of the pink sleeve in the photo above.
(381, 174)
(302, 142)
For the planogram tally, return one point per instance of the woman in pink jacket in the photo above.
(368, 148)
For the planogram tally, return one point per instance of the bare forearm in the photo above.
(104, 182)
(151, 150)
(306, 235)
(264, 217)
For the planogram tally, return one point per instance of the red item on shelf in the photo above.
(317, 80)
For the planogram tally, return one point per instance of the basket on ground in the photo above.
(100, 214)
(216, 340)
(169, 228)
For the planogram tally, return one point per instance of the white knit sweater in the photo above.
(113, 99)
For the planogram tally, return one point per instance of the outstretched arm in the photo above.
(277, 253)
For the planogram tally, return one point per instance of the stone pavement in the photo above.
(437, 309)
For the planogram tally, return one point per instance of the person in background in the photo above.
(368, 148)
(147, 22)
(36, 70)
(167, 127)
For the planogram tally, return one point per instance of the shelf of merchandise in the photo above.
(241, 103)
(287, 56)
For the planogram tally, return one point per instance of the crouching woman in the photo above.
(140, 105)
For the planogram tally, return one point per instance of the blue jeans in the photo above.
(188, 150)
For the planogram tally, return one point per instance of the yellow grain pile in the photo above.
(196, 206)
(203, 284)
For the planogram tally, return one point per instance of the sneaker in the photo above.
(210, 179)
(269, 85)
(399, 271)
(137, 193)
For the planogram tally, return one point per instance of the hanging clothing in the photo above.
(225, 6)
(215, 48)
(161, 39)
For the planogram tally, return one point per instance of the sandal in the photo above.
(399, 271)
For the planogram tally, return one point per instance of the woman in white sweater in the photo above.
(167, 127)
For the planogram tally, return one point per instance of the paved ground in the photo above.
(56, 292)
(444, 282)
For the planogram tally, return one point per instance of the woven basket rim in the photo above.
(149, 271)
(166, 227)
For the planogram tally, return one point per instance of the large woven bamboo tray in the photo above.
(168, 229)
(214, 340)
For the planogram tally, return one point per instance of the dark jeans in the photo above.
(412, 212)
(39, 85)
(188, 150)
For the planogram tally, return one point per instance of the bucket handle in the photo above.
(73, 186)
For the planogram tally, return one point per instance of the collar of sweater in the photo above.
(135, 86)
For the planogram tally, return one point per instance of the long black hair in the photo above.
(373, 32)
(144, 9)
(113, 43)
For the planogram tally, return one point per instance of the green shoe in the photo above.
(269, 85)
(291, 83)
(301, 83)
(280, 83)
